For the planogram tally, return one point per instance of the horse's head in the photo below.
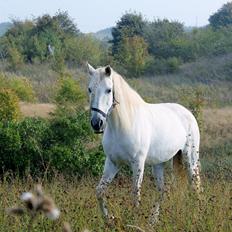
(101, 96)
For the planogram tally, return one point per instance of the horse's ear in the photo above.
(90, 69)
(108, 70)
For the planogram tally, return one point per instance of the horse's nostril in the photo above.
(100, 123)
(96, 124)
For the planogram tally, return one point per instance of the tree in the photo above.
(32, 39)
(133, 55)
(223, 17)
(159, 35)
(84, 47)
(65, 23)
(130, 25)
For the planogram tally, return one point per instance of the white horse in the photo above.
(136, 133)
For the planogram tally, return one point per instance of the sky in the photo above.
(91, 16)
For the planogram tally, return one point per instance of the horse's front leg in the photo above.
(110, 170)
(138, 170)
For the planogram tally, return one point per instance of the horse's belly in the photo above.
(117, 151)
(166, 143)
(124, 149)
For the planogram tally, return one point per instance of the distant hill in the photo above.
(104, 35)
(4, 27)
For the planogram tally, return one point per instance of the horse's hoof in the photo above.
(110, 220)
(154, 217)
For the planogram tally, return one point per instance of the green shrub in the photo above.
(133, 55)
(76, 160)
(173, 64)
(20, 85)
(63, 144)
(193, 99)
(15, 58)
(84, 48)
(68, 91)
(162, 66)
(10, 145)
(9, 105)
(58, 63)
(66, 129)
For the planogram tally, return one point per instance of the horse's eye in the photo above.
(108, 91)
(89, 90)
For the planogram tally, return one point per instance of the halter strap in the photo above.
(115, 102)
(99, 111)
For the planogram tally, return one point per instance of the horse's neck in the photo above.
(128, 101)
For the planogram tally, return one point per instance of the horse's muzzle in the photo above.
(97, 125)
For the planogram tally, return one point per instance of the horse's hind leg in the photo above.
(110, 170)
(191, 160)
(158, 172)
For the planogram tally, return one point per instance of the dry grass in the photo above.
(217, 126)
(181, 211)
(37, 109)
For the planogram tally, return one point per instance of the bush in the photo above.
(9, 105)
(193, 99)
(58, 63)
(63, 144)
(173, 64)
(15, 58)
(133, 55)
(20, 85)
(84, 48)
(163, 66)
(66, 130)
(69, 90)
(10, 145)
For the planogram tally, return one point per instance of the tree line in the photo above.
(139, 47)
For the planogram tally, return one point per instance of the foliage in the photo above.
(36, 145)
(85, 48)
(15, 58)
(162, 66)
(130, 25)
(133, 55)
(20, 85)
(223, 17)
(69, 96)
(58, 63)
(193, 99)
(50, 38)
(159, 34)
(137, 46)
(9, 105)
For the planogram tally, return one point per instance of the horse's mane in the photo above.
(128, 100)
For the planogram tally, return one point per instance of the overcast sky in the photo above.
(91, 16)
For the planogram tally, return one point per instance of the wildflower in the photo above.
(35, 203)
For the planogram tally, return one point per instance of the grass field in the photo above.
(181, 211)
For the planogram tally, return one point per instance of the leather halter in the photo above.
(99, 111)
(115, 102)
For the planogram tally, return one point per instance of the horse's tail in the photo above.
(178, 166)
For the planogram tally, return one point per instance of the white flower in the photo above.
(27, 196)
(53, 214)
